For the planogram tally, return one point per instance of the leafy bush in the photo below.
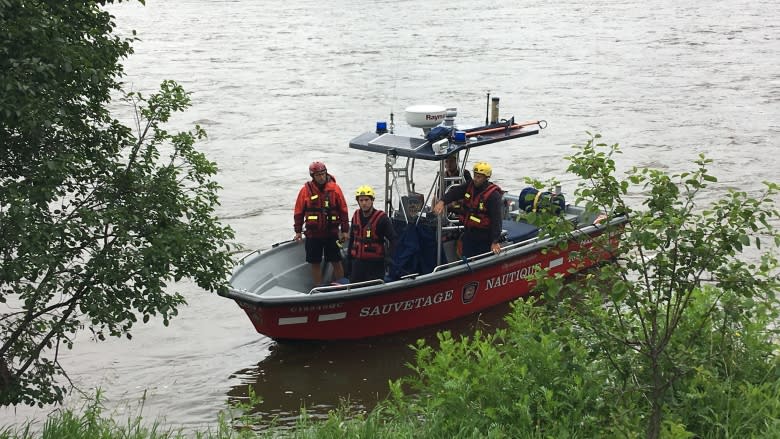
(677, 338)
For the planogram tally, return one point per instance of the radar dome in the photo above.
(425, 116)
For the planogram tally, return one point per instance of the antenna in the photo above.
(487, 108)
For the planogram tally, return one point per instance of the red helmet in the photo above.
(315, 167)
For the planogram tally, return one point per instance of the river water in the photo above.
(278, 84)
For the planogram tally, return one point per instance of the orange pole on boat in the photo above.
(497, 129)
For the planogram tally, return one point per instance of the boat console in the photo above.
(410, 208)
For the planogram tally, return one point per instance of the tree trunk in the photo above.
(654, 426)
(656, 400)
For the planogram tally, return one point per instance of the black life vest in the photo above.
(320, 211)
(475, 209)
(366, 242)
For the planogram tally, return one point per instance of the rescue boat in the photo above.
(427, 282)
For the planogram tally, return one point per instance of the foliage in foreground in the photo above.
(534, 379)
(95, 220)
(93, 422)
(541, 378)
(680, 326)
(676, 339)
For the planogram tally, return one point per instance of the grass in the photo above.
(93, 422)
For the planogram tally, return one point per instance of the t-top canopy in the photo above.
(421, 148)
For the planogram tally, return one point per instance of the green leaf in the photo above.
(91, 214)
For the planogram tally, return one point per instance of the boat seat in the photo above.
(517, 231)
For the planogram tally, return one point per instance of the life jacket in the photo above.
(475, 209)
(320, 211)
(366, 242)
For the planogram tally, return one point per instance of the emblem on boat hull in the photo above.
(468, 292)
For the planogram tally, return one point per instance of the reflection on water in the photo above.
(316, 375)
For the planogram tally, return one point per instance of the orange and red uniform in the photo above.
(367, 241)
(367, 245)
(323, 210)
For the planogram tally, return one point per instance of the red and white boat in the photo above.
(427, 284)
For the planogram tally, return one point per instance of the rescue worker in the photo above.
(321, 207)
(481, 203)
(451, 169)
(370, 228)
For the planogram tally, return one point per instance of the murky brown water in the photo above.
(279, 84)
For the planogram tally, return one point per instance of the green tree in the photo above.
(682, 292)
(96, 219)
(677, 338)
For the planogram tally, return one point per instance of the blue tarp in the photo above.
(415, 250)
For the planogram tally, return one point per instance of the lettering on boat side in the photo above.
(323, 307)
(511, 277)
(407, 305)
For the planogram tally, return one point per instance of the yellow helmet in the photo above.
(483, 168)
(365, 191)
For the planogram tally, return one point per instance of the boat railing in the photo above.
(241, 261)
(258, 251)
(520, 244)
(462, 261)
(349, 286)
(575, 233)
(484, 255)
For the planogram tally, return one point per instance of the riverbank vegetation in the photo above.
(677, 338)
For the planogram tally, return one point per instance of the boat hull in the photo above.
(415, 302)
